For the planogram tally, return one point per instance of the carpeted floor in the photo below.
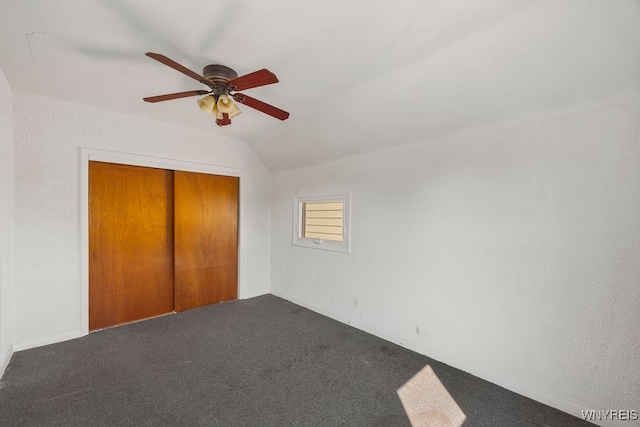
(257, 362)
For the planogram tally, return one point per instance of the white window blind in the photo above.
(321, 221)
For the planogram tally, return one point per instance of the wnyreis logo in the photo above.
(610, 415)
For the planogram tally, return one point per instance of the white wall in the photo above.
(511, 252)
(6, 184)
(47, 230)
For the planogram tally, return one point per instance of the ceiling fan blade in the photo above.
(257, 78)
(176, 95)
(261, 106)
(173, 64)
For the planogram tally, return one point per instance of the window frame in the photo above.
(328, 245)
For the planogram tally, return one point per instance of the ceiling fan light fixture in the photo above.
(226, 105)
(223, 83)
(207, 104)
(235, 111)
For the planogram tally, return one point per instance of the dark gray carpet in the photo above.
(257, 362)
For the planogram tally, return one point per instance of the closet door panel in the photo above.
(206, 239)
(130, 243)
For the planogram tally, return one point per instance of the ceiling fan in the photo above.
(223, 83)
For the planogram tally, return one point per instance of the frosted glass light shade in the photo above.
(207, 104)
(226, 105)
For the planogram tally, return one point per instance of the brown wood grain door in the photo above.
(206, 239)
(130, 243)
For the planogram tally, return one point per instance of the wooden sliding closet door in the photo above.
(206, 239)
(130, 243)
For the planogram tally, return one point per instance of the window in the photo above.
(322, 221)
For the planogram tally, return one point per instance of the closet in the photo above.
(160, 241)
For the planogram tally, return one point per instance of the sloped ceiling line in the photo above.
(356, 76)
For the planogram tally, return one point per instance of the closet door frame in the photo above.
(92, 154)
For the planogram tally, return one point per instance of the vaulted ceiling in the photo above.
(356, 75)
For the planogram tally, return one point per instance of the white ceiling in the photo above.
(356, 75)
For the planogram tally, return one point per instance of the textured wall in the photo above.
(6, 179)
(511, 252)
(47, 203)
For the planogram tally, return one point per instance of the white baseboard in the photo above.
(4, 361)
(48, 340)
(312, 307)
(570, 407)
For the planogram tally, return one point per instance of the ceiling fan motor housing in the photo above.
(219, 75)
